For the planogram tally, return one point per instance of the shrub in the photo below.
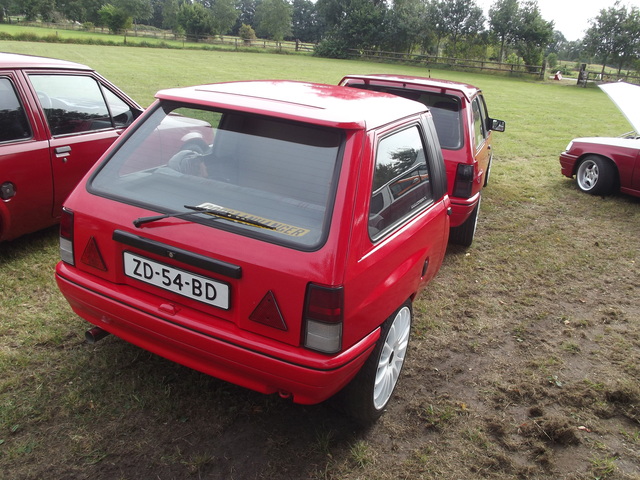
(332, 48)
(247, 33)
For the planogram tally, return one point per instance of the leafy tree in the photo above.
(30, 9)
(631, 51)
(170, 10)
(273, 19)
(351, 24)
(428, 23)
(247, 33)
(224, 15)
(455, 19)
(306, 24)
(46, 9)
(403, 25)
(558, 42)
(195, 19)
(246, 14)
(81, 10)
(534, 33)
(114, 18)
(503, 21)
(138, 10)
(613, 35)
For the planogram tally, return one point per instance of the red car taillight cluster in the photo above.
(463, 186)
(66, 237)
(323, 317)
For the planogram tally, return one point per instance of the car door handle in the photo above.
(62, 150)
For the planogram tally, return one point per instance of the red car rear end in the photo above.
(265, 260)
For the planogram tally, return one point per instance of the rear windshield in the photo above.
(278, 176)
(445, 110)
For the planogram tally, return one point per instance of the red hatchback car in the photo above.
(285, 256)
(464, 130)
(603, 165)
(56, 119)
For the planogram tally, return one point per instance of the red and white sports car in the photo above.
(603, 165)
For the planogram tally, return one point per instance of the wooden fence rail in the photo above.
(164, 35)
(436, 61)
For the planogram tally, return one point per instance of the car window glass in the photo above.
(478, 123)
(401, 182)
(122, 113)
(446, 118)
(278, 173)
(72, 103)
(445, 110)
(13, 120)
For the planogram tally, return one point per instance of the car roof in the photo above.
(328, 105)
(434, 83)
(15, 60)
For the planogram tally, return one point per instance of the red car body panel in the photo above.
(624, 153)
(40, 171)
(375, 276)
(479, 156)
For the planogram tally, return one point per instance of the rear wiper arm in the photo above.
(216, 211)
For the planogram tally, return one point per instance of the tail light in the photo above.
(464, 181)
(66, 236)
(323, 317)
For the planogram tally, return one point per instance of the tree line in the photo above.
(514, 30)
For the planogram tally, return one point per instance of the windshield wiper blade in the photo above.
(218, 212)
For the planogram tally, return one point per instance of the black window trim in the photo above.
(13, 85)
(410, 215)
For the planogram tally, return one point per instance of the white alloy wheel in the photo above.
(392, 355)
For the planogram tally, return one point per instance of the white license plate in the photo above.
(183, 283)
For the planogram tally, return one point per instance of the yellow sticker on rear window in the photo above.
(283, 228)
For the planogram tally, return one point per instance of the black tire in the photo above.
(596, 175)
(367, 395)
(463, 234)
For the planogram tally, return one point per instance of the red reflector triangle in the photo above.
(91, 256)
(268, 313)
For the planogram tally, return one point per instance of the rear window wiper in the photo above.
(209, 210)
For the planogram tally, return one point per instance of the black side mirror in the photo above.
(496, 125)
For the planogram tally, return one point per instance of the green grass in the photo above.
(552, 275)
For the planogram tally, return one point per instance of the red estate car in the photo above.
(284, 257)
(604, 164)
(464, 130)
(56, 119)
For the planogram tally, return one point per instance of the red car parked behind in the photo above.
(56, 119)
(464, 130)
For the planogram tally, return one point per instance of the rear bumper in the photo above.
(567, 164)
(461, 209)
(308, 377)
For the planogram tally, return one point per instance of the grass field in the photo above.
(525, 353)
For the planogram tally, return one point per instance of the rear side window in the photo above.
(447, 119)
(75, 104)
(281, 175)
(401, 181)
(13, 120)
(479, 121)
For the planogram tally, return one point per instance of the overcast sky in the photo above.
(571, 17)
